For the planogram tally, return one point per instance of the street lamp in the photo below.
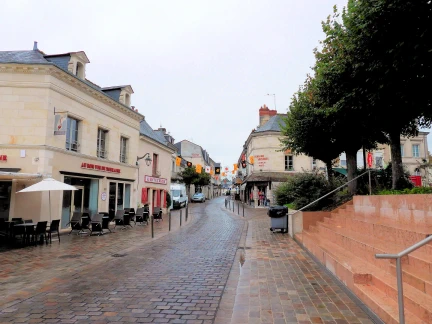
(147, 160)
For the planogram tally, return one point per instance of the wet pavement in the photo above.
(217, 268)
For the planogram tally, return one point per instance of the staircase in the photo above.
(347, 241)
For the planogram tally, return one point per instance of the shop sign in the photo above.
(3, 157)
(195, 155)
(155, 180)
(97, 167)
(104, 196)
(60, 124)
(262, 159)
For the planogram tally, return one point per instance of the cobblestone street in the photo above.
(216, 268)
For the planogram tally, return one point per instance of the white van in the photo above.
(178, 195)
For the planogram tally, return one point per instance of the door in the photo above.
(77, 199)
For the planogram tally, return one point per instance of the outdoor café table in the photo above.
(26, 227)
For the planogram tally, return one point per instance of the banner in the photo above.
(198, 168)
(207, 169)
(178, 161)
(60, 124)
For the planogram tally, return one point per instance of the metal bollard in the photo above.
(152, 230)
(238, 208)
(187, 212)
(169, 221)
(180, 217)
(233, 207)
(243, 209)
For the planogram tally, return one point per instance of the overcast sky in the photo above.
(201, 69)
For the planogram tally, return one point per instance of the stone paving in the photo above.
(275, 281)
(217, 268)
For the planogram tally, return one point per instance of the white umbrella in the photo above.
(48, 184)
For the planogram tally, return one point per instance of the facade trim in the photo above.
(76, 174)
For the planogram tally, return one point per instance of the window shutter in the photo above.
(144, 197)
(158, 198)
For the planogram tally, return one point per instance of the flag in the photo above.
(223, 174)
(217, 170)
(198, 168)
(178, 161)
(235, 166)
(251, 159)
(207, 169)
(211, 172)
(232, 171)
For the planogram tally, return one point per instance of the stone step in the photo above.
(383, 306)
(366, 246)
(420, 280)
(384, 230)
(352, 269)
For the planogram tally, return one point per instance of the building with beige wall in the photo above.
(55, 122)
(271, 165)
(155, 167)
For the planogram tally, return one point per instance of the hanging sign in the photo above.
(60, 124)
(155, 180)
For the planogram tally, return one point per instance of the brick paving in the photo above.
(275, 281)
(218, 268)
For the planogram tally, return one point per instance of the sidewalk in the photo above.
(26, 271)
(275, 281)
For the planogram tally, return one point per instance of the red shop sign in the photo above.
(3, 157)
(155, 180)
(97, 167)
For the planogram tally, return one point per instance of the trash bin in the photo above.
(278, 218)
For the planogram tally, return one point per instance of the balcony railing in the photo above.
(123, 158)
(102, 153)
(72, 146)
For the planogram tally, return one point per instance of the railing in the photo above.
(340, 187)
(398, 258)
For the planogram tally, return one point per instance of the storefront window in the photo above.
(120, 195)
(127, 195)
(120, 187)
(5, 194)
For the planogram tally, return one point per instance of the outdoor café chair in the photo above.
(85, 223)
(54, 228)
(27, 221)
(3, 227)
(119, 218)
(18, 220)
(139, 216)
(105, 222)
(19, 231)
(96, 224)
(40, 232)
(75, 222)
(132, 215)
(157, 214)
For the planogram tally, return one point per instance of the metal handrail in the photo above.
(398, 258)
(345, 184)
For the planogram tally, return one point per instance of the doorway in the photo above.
(78, 199)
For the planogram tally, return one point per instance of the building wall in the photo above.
(27, 102)
(164, 167)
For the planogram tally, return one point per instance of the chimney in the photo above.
(265, 114)
(35, 48)
(133, 107)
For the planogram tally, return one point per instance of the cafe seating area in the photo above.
(25, 232)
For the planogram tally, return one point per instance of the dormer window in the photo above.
(79, 70)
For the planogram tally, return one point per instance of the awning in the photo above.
(268, 176)
(16, 175)
(340, 170)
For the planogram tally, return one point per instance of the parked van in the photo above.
(178, 195)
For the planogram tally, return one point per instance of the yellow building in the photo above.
(55, 122)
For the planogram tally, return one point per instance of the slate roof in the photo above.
(26, 57)
(178, 145)
(146, 130)
(273, 124)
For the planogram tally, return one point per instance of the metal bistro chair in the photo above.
(96, 224)
(40, 232)
(75, 222)
(118, 219)
(132, 215)
(18, 220)
(85, 223)
(139, 216)
(157, 214)
(54, 228)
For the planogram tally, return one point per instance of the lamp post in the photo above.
(148, 161)
(274, 97)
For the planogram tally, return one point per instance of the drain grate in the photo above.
(69, 256)
(118, 255)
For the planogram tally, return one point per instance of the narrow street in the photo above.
(216, 268)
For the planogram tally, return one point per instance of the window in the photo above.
(402, 151)
(289, 163)
(343, 163)
(72, 135)
(314, 163)
(378, 161)
(155, 165)
(416, 150)
(101, 141)
(127, 99)
(123, 149)
(79, 71)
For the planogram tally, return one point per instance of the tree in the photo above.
(307, 130)
(389, 44)
(189, 176)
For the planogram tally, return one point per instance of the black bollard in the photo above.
(233, 207)
(243, 209)
(238, 208)
(169, 221)
(180, 217)
(152, 230)
(187, 212)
